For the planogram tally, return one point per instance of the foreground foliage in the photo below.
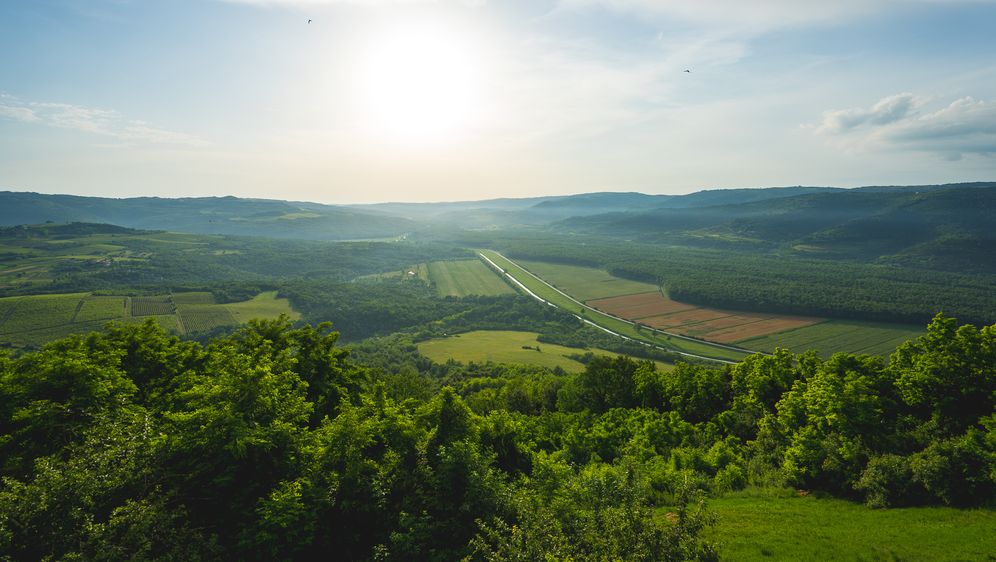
(273, 443)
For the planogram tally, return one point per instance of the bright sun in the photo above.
(420, 84)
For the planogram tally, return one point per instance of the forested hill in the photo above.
(945, 226)
(205, 215)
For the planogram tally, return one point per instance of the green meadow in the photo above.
(586, 283)
(461, 278)
(503, 346)
(838, 335)
(764, 524)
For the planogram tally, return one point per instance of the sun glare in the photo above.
(420, 84)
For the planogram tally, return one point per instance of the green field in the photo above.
(462, 278)
(545, 292)
(101, 308)
(31, 321)
(586, 283)
(40, 311)
(838, 335)
(781, 525)
(193, 297)
(264, 305)
(502, 346)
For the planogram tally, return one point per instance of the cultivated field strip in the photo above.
(838, 335)
(586, 283)
(461, 278)
(152, 306)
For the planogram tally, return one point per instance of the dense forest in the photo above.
(275, 443)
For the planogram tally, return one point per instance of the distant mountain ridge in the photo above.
(205, 215)
(916, 224)
(939, 226)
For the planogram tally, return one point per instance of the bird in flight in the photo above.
(686, 70)
(309, 21)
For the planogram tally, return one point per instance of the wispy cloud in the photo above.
(887, 110)
(756, 14)
(104, 122)
(966, 126)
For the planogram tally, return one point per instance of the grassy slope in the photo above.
(502, 346)
(613, 324)
(780, 525)
(466, 277)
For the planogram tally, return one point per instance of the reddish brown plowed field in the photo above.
(683, 318)
(724, 326)
(641, 305)
(764, 327)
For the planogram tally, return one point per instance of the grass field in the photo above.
(193, 297)
(780, 525)
(31, 321)
(620, 327)
(101, 308)
(264, 305)
(461, 278)
(839, 335)
(30, 313)
(586, 283)
(500, 346)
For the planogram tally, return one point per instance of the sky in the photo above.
(422, 100)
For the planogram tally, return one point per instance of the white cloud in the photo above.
(96, 121)
(966, 126)
(24, 114)
(887, 110)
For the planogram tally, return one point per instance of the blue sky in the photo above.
(442, 100)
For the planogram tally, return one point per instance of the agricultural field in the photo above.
(31, 313)
(586, 283)
(764, 524)
(461, 278)
(193, 297)
(93, 308)
(152, 306)
(502, 346)
(264, 305)
(749, 330)
(839, 335)
(622, 327)
(31, 321)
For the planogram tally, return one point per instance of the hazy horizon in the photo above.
(459, 100)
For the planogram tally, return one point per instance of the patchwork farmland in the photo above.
(31, 321)
(649, 308)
